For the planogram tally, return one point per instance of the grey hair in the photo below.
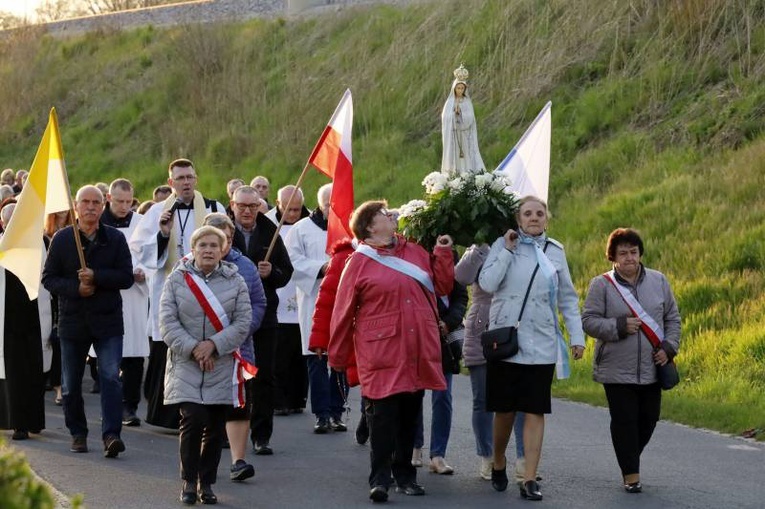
(324, 194)
(219, 220)
(6, 213)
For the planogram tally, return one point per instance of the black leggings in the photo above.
(634, 411)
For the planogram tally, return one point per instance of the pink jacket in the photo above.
(386, 317)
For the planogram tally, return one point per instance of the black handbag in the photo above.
(667, 375)
(502, 343)
(451, 352)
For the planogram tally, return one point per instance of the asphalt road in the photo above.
(681, 468)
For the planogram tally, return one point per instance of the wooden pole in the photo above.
(76, 231)
(287, 206)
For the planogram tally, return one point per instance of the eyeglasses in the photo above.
(241, 207)
(185, 178)
(385, 212)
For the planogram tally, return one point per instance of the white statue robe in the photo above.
(306, 244)
(287, 312)
(143, 247)
(459, 136)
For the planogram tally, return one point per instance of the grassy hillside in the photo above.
(657, 124)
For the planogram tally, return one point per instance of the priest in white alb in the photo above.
(162, 237)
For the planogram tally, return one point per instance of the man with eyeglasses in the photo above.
(253, 235)
(162, 237)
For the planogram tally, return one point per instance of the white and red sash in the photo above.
(214, 312)
(648, 325)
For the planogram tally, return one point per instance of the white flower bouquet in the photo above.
(472, 207)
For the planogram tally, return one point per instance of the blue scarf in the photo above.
(550, 273)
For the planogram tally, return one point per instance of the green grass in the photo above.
(657, 124)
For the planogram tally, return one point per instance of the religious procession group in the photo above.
(249, 314)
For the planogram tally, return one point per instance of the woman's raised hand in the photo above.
(444, 241)
(511, 239)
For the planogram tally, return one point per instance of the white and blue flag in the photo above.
(528, 164)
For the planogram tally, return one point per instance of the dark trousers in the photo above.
(392, 422)
(132, 374)
(291, 376)
(262, 420)
(329, 388)
(54, 375)
(203, 428)
(634, 411)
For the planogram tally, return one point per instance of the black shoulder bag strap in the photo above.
(528, 289)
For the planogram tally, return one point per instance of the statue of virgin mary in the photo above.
(458, 129)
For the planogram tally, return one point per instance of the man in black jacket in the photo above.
(254, 233)
(90, 312)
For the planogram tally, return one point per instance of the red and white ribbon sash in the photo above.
(648, 325)
(214, 312)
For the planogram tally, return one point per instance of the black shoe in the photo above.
(337, 424)
(262, 449)
(362, 431)
(633, 487)
(499, 479)
(206, 495)
(378, 494)
(241, 470)
(113, 445)
(322, 426)
(530, 491)
(79, 444)
(188, 494)
(20, 434)
(129, 418)
(281, 411)
(96, 387)
(412, 489)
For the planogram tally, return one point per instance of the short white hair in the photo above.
(323, 195)
(6, 213)
(290, 189)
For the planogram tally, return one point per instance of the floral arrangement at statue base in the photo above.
(474, 208)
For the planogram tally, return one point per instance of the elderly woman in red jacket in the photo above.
(385, 311)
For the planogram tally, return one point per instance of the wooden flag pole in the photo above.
(286, 207)
(76, 231)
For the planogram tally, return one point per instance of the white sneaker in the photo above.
(438, 465)
(417, 458)
(484, 470)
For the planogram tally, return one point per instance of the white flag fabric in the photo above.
(528, 164)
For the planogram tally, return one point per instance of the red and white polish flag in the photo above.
(332, 156)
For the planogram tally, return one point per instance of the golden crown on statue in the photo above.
(461, 74)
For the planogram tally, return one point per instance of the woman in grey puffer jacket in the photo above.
(625, 360)
(199, 362)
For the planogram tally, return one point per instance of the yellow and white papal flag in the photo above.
(46, 191)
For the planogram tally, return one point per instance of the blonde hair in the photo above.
(203, 231)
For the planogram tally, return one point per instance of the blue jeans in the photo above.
(483, 421)
(440, 423)
(328, 390)
(73, 353)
